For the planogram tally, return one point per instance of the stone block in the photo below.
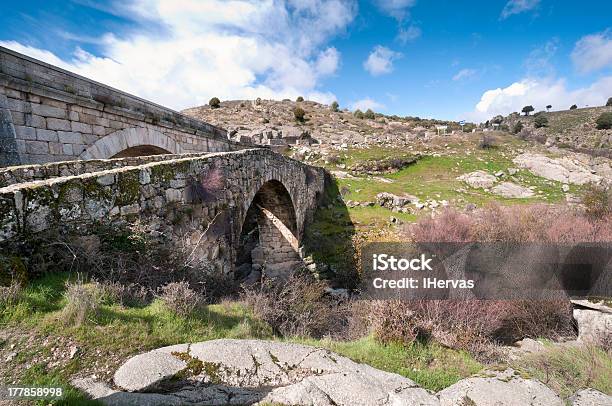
(18, 118)
(37, 147)
(73, 116)
(173, 195)
(48, 111)
(58, 124)
(80, 127)
(25, 133)
(98, 130)
(46, 135)
(131, 209)
(70, 137)
(67, 149)
(55, 148)
(34, 120)
(18, 105)
(106, 180)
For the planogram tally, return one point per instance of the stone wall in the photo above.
(48, 114)
(200, 202)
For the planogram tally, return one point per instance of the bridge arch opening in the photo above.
(268, 240)
(141, 150)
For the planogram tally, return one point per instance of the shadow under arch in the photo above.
(268, 238)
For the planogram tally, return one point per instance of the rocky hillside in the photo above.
(273, 122)
(574, 129)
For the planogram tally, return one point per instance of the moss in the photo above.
(162, 173)
(93, 190)
(213, 370)
(194, 365)
(128, 186)
(66, 190)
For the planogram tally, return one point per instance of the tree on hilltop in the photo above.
(573, 107)
(548, 107)
(214, 103)
(609, 102)
(527, 109)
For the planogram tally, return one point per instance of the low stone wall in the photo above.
(216, 190)
(48, 114)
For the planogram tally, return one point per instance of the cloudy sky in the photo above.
(430, 58)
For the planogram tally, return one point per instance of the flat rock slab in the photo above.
(512, 190)
(253, 371)
(478, 179)
(495, 388)
(564, 169)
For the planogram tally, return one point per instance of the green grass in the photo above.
(568, 369)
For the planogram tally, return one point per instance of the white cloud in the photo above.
(465, 74)
(517, 7)
(538, 61)
(398, 9)
(408, 34)
(216, 48)
(593, 52)
(380, 60)
(539, 93)
(367, 103)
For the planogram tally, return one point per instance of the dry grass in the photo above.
(180, 298)
(83, 302)
(9, 295)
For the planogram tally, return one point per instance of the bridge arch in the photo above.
(269, 237)
(135, 141)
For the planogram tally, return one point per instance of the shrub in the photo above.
(335, 106)
(517, 128)
(125, 295)
(448, 226)
(609, 102)
(359, 114)
(548, 107)
(604, 121)
(299, 99)
(298, 114)
(540, 121)
(9, 295)
(369, 114)
(180, 298)
(487, 141)
(392, 321)
(82, 302)
(597, 201)
(527, 109)
(297, 306)
(573, 107)
(214, 103)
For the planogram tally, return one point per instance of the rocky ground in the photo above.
(264, 372)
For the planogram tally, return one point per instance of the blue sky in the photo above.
(430, 58)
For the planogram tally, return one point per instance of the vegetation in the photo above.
(548, 107)
(299, 99)
(604, 121)
(299, 114)
(609, 102)
(359, 114)
(517, 128)
(214, 103)
(597, 200)
(369, 114)
(540, 120)
(527, 110)
(573, 107)
(335, 106)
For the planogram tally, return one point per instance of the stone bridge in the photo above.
(77, 153)
(49, 114)
(230, 209)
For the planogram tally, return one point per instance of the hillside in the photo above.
(259, 121)
(568, 128)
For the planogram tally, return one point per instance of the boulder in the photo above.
(478, 179)
(566, 170)
(493, 388)
(249, 371)
(594, 326)
(392, 201)
(512, 190)
(590, 397)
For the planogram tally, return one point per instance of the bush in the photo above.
(124, 295)
(487, 141)
(298, 306)
(359, 114)
(540, 121)
(9, 295)
(392, 321)
(597, 201)
(214, 103)
(573, 107)
(299, 99)
(299, 114)
(180, 298)
(335, 106)
(609, 102)
(517, 128)
(604, 121)
(82, 302)
(369, 114)
(448, 226)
